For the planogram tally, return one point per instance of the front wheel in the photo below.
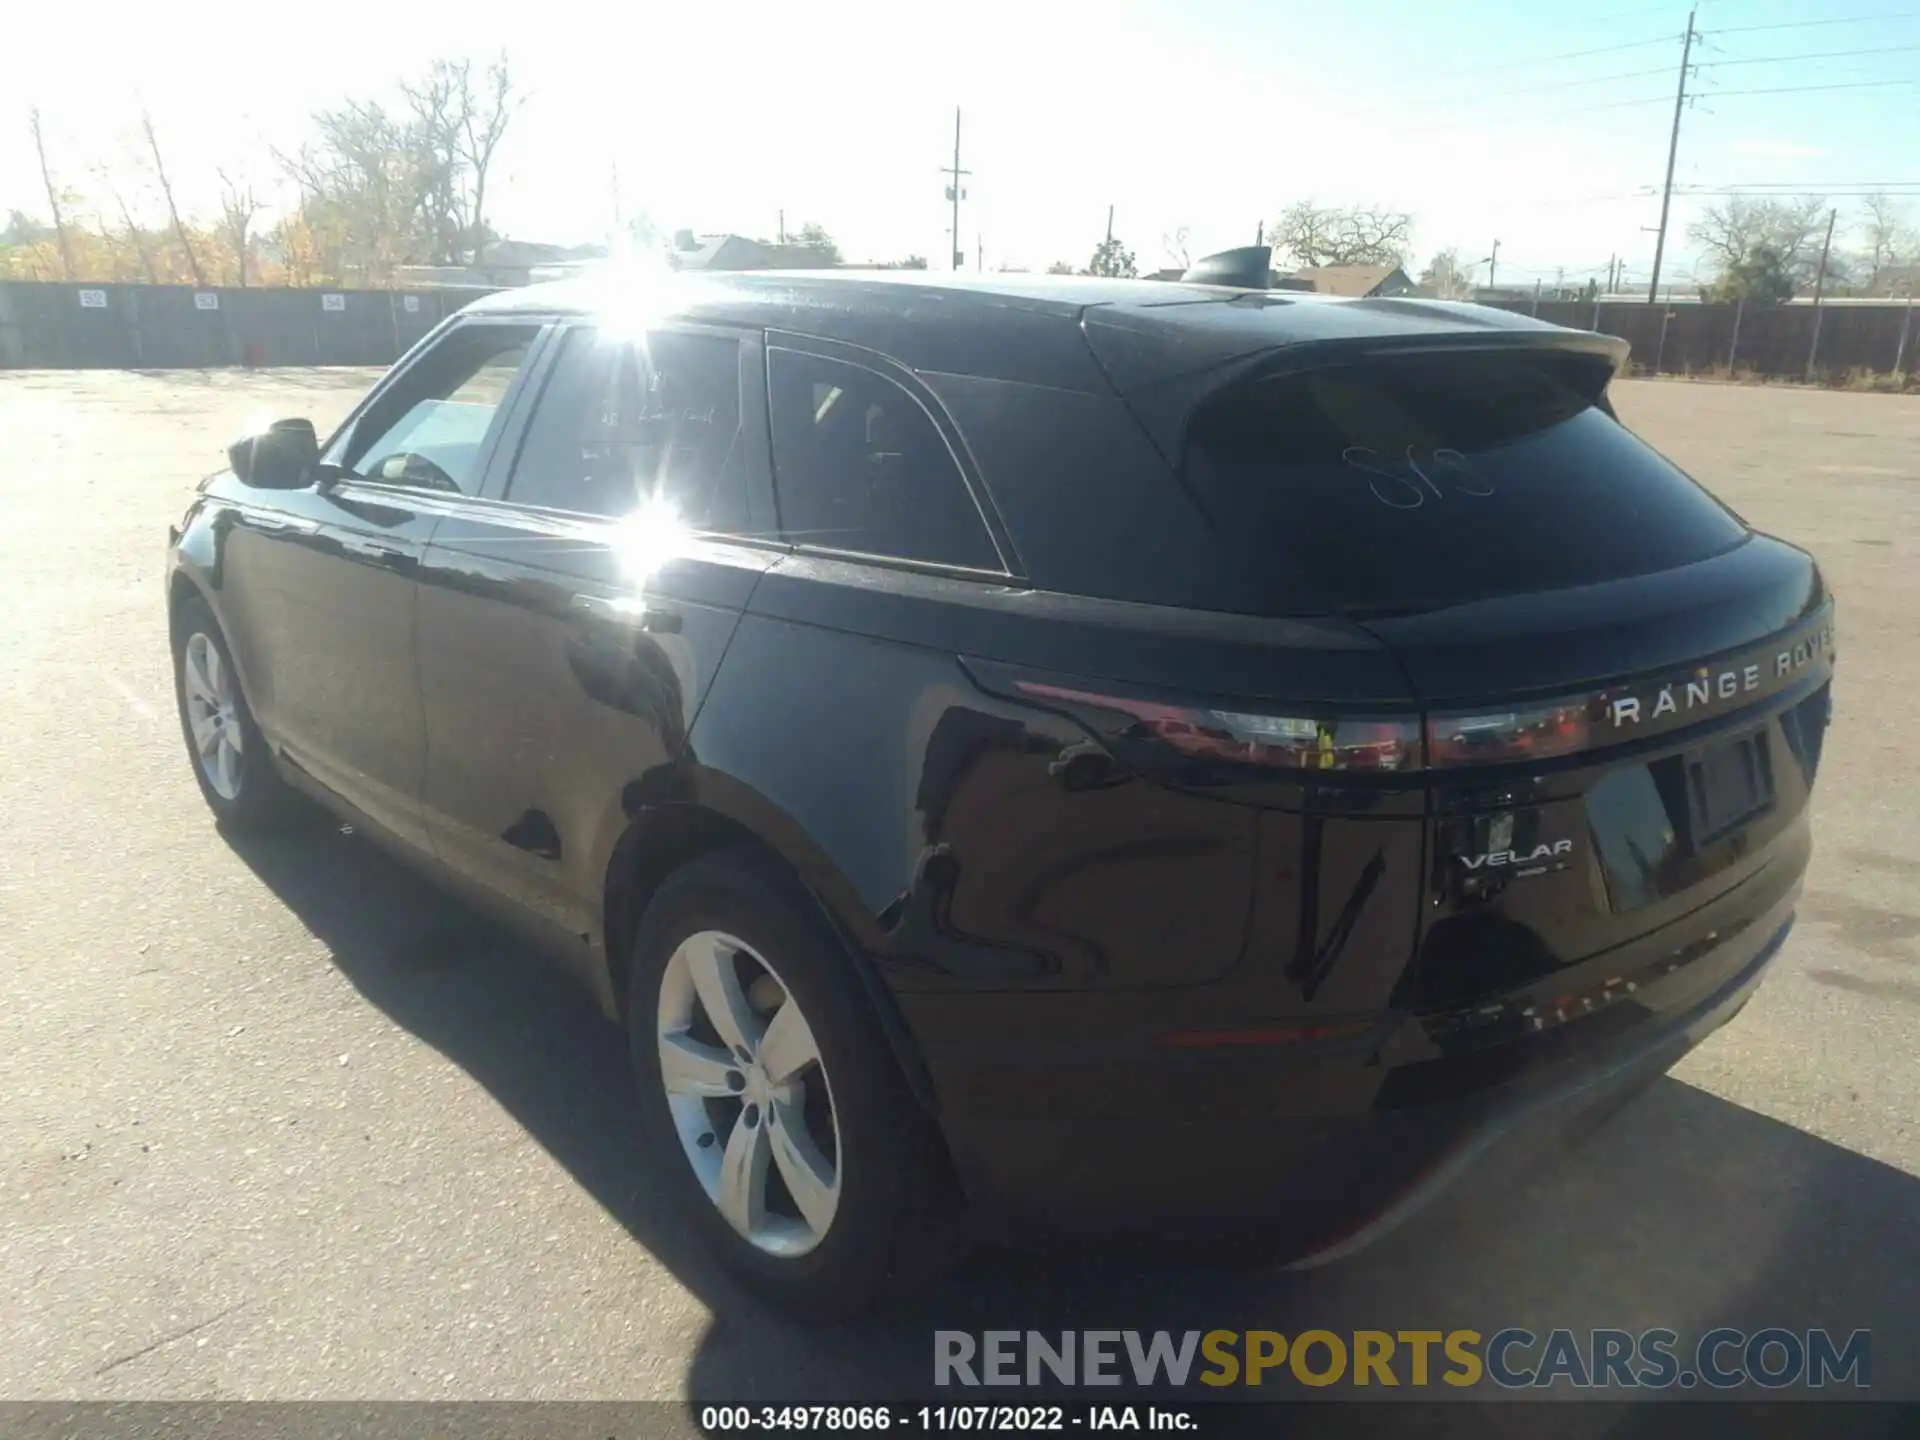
(770, 1092)
(230, 760)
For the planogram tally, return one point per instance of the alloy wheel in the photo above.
(749, 1094)
(213, 714)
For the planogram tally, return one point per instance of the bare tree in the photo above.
(166, 189)
(483, 126)
(237, 209)
(462, 124)
(135, 236)
(1352, 235)
(53, 195)
(1174, 244)
(1736, 229)
(372, 183)
(1888, 233)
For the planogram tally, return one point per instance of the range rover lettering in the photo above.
(1071, 754)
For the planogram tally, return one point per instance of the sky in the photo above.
(1211, 116)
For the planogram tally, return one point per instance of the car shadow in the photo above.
(1680, 1211)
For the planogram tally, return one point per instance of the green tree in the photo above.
(1111, 257)
(1761, 276)
(1734, 231)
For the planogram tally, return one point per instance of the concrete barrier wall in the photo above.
(134, 327)
(131, 327)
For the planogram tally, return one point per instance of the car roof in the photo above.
(1074, 332)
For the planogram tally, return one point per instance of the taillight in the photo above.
(1235, 737)
(1537, 732)
(1210, 743)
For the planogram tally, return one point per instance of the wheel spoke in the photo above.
(228, 764)
(196, 671)
(689, 1068)
(788, 1047)
(216, 673)
(205, 735)
(714, 979)
(230, 730)
(743, 1177)
(813, 1183)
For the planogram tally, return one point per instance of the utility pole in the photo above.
(1493, 264)
(979, 254)
(956, 252)
(1819, 285)
(1109, 225)
(1673, 151)
(782, 222)
(1900, 350)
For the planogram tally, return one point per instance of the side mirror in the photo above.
(282, 457)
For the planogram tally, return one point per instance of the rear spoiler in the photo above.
(1165, 408)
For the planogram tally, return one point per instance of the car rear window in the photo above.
(1409, 484)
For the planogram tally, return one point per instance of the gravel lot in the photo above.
(284, 1126)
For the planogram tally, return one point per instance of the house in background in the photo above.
(737, 252)
(501, 264)
(1276, 279)
(1353, 281)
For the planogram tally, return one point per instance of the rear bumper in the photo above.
(1320, 1153)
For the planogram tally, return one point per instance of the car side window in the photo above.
(429, 429)
(859, 465)
(624, 421)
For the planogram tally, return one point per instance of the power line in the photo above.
(1812, 55)
(1864, 186)
(1801, 89)
(1809, 24)
(1564, 55)
(1559, 85)
(1556, 85)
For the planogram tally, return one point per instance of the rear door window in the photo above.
(1409, 484)
(859, 465)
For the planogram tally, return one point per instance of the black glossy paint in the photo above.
(1133, 991)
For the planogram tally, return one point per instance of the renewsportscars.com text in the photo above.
(1512, 1358)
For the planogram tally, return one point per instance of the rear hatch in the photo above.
(1623, 689)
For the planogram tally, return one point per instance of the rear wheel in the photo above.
(229, 757)
(767, 1086)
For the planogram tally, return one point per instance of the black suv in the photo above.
(1123, 754)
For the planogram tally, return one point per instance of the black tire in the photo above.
(896, 1227)
(262, 800)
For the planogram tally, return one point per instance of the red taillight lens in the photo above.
(1209, 743)
(1386, 745)
(1533, 733)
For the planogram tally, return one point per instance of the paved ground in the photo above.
(279, 1126)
